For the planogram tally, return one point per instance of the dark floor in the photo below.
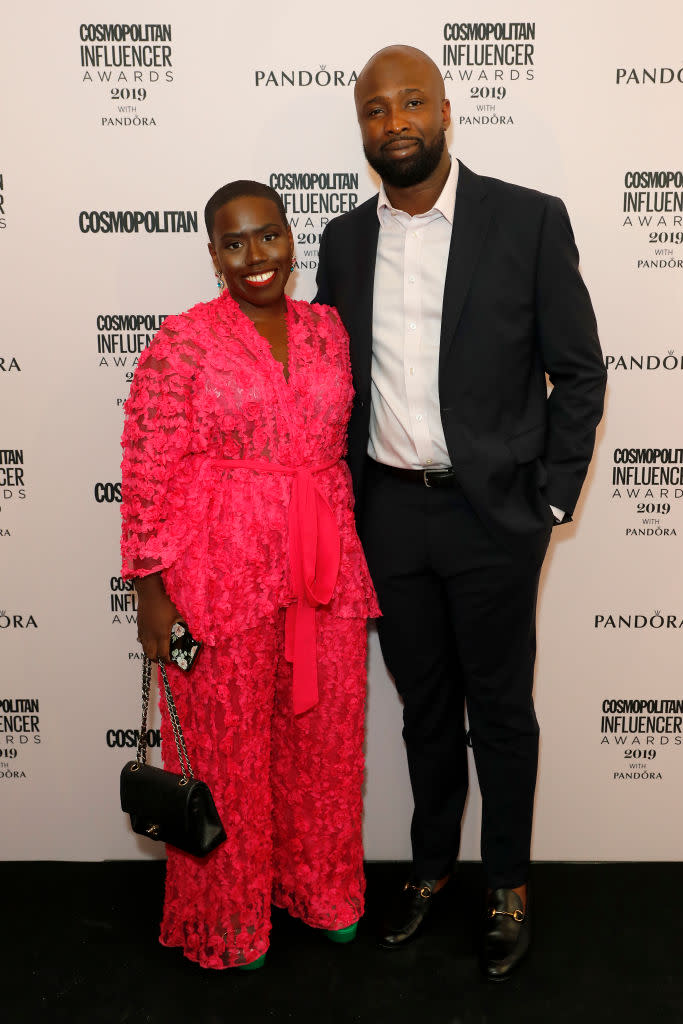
(80, 944)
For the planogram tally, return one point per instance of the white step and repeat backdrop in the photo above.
(120, 119)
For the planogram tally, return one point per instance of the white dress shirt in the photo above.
(410, 273)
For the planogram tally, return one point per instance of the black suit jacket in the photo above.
(515, 308)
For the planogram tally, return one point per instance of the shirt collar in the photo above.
(445, 204)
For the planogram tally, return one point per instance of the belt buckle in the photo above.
(424, 477)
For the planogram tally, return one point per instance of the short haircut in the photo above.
(235, 189)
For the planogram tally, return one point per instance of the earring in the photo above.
(293, 266)
(220, 282)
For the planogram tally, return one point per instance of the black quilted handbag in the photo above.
(175, 809)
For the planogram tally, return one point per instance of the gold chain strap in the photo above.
(183, 758)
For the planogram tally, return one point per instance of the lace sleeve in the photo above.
(156, 436)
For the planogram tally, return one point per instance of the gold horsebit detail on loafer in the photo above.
(422, 890)
(517, 915)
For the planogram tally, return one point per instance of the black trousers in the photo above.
(458, 630)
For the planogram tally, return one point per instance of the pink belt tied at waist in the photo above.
(314, 553)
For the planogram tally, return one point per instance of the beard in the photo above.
(411, 171)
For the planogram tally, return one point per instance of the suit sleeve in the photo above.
(570, 350)
(323, 294)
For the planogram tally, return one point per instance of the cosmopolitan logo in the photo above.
(650, 76)
(489, 44)
(654, 179)
(122, 595)
(648, 466)
(125, 46)
(121, 337)
(660, 191)
(311, 198)
(316, 193)
(644, 728)
(653, 200)
(3, 219)
(12, 474)
(123, 601)
(159, 222)
(645, 363)
(130, 737)
(652, 478)
(645, 716)
(637, 707)
(108, 492)
(130, 322)
(303, 78)
(19, 716)
(125, 33)
(484, 54)
(12, 620)
(126, 61)
(637, 620)
(19, 727)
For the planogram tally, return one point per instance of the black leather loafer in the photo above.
(405, 918)
(506, 939)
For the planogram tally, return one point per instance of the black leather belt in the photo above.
(425, 477)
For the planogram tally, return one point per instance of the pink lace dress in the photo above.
(235, 489)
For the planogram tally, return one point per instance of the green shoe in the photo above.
(254, 965)
(342, 934)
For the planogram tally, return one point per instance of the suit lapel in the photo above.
(472, 216)
(363, 256)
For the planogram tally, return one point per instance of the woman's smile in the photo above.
(258, 280)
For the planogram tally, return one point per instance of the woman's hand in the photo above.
(156, 615)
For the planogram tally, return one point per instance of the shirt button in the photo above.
(419, 418)
(429, 462)
(411, 279)
(412, 370)
(412, 326)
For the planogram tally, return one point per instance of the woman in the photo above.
(238, 518)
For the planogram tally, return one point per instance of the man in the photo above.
(459, 293)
